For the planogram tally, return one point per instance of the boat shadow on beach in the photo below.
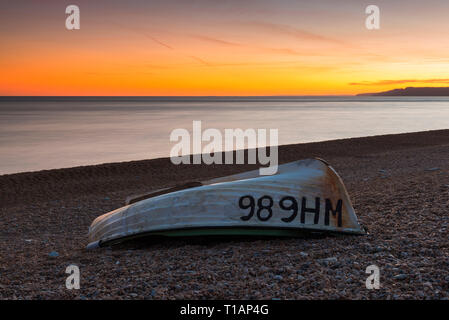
(159, 242)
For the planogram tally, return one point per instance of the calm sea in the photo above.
(48, 133)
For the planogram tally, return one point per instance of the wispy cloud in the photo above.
(201, 61)
(402, 81)
(216, 40)
(281, 51)
(144, 33)
(157, 41)
(285, 51)
(290, 31)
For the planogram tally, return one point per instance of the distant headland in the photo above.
(412, 91)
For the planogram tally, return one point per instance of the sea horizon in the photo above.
(62, 132)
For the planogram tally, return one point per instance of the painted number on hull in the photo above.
(263, 208)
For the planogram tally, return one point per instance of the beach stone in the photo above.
(264, 269)
(400, 276)
(328, 261)
(301, 278)
(378, 254)
(303, 254)
(278, 277)
(53, 254)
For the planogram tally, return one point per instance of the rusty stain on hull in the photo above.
(303, 195)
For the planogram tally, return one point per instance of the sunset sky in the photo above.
(233, 47)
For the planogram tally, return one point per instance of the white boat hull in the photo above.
(303, 195)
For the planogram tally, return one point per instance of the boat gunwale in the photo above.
(247, 231)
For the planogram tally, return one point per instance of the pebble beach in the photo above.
(399, 186)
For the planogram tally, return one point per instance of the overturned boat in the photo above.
(305, 195)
